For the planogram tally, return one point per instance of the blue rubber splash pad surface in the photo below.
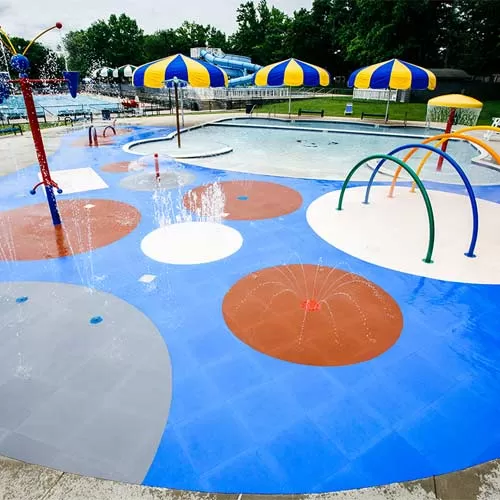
(246, 421)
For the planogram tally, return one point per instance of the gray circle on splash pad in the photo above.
(85, 381)
(147, 181)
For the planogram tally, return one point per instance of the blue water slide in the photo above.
(233, 66)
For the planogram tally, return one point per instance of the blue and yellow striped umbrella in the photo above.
(292, 73)
(161, 73)
(393, 74)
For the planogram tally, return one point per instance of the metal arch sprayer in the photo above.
(461, 173)
(427, 201)
(20, 63)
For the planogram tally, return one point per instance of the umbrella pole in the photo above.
(387, 107)
(177, 115)
(289, 102)
(182, 105)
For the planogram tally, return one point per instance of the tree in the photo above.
(160, 44)
(472, 40)
(262, 33)
(126, 41)
(77, 47)
(113, 43)
(216, 38)
(339, 35)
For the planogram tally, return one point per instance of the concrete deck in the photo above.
(21, 481)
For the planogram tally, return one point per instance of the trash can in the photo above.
(248, 108)
(106, 114)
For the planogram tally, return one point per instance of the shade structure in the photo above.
(393, 74)
(161, 73)
(177, 70)
(455, 101)
(103, 72)
(124, 71)
(292, 73)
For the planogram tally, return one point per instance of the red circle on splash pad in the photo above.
(28, 232)
(247, 200)
(312, 315)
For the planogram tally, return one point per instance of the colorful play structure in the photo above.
(439, 148)
(20, 63)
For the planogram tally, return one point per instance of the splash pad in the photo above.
(298, 349)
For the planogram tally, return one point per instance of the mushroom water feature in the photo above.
(455, 109)
(21, 64)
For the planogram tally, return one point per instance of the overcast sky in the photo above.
(28, 17)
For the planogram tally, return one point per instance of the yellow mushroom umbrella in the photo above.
(452, 102)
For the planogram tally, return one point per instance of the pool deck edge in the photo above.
(20, 480)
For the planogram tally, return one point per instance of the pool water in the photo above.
(55, 104)
(336, 125)
(314, 154)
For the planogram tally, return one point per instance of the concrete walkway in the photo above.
(17, 152)
(21, 481)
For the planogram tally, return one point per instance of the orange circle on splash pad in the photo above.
(312, 315)
(116, 167)
(246, 200)
(28, 232)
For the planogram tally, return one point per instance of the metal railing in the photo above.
(381, 95)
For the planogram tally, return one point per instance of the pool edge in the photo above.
(21, 480)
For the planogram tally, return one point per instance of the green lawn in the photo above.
(335, 107)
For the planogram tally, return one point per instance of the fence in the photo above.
(381, 95)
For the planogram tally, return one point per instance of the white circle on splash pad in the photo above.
(191, 243)
(394, 232)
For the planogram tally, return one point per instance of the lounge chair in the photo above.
(348, 109)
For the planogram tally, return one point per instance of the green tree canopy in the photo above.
(113, 43)
(262, 33)
(339, 35)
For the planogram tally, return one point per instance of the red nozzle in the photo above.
(58, 25)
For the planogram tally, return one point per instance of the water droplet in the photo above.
(95, 320)
(21, 300)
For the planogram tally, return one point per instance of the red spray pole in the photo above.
(21, 64)
(157, 167)
(449, 124)
(40, 151)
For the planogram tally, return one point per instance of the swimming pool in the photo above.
(327, 153)
(333, 125)
(55, 104)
